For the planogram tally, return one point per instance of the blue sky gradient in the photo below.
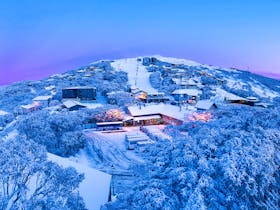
(39, 38)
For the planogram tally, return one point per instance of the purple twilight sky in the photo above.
(39, 38)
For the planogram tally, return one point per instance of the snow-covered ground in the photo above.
(107, 151)
(3, 113)
(256, 86)
(11, 135)
(262, 90)
(222, 94)
(32, 90)
(95, 188)
(236, 84)
(137, 73)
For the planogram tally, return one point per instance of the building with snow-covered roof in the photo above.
(82, 93)
(186, 94)
(251, 101)
(191, 92)
(153, 119)
(157, 114)
(72, 105)
(205, 105)
(95, 187)
(158, 97)
(29, 108)
(186, 83)
(42, 101)
(251, 98)
(234, 98)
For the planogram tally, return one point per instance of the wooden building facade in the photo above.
(82, 93)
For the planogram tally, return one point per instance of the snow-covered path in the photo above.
(137, 74)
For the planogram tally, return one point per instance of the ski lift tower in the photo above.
(180, 91)
(136, 73)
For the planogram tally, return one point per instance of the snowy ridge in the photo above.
(176, 60)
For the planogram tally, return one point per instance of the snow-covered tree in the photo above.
(60, 132)
(120, 98)
(29, 181)
(221, 164)
(155, 79)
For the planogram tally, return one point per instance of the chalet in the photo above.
(154, 119)
(82, 93)
(172, 120)
(72, 105)
(156, 98)
(29, 108)
(141, 95)
(205, 105)
(155, 115)
(42, 101)
(191, 84)
(251, 101)
(139, 117)
(186, 94)
(185, 83)
(135, 91)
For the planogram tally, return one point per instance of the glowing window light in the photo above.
(203, 117)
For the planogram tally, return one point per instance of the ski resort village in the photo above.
(108, 119)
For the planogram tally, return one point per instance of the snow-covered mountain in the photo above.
(235, 79)
(202, 162)
(167, 75)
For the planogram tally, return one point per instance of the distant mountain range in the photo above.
(270, 75)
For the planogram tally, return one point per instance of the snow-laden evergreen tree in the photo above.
(29, 181)
(59, 132)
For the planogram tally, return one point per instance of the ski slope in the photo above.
(137, 74)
